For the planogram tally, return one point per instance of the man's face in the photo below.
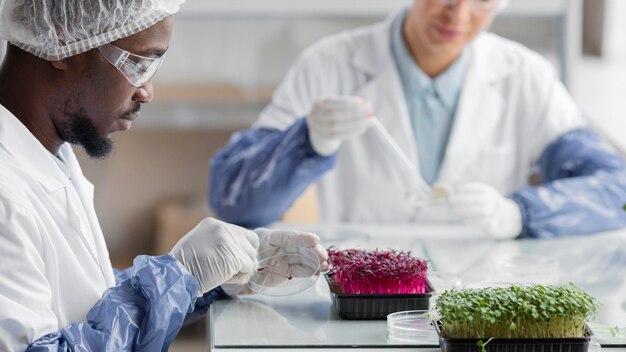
(101, 100)
(444, 29)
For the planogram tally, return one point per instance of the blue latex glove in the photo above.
(144, 312)
(261, 172)
(584, 189)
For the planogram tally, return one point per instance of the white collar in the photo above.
(29, 152)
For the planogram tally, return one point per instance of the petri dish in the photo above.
(526, 269)
(487, 284)
(286, 273)
(442, 281)
(410, 326)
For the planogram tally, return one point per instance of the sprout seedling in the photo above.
(482, 344)
(357, 271)
(269, 272)
(535, 311)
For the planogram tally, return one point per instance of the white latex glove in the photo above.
(274, 242)
(335, 119)
(215, 252)
(481, 205)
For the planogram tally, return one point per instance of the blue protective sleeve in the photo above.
(261, 172)
(142, 313)
(202, 303)
(121, 275)
(584, 189)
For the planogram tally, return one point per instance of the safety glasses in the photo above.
(481, 5)
(137, 69)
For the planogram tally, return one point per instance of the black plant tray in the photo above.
(349, 306)
(573, 344)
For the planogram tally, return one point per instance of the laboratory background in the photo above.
(227, 56)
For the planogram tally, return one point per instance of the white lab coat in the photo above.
(54, 264)
(511, 107)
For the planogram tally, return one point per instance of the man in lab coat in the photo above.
(75, 72)
(478, 114)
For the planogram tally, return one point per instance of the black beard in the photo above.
(79, 130)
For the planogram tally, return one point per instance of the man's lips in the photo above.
(125, 120)
(131, 117)
(132, 114)
(448, 33)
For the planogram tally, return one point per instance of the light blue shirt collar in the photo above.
(431, 103)
(447, 85)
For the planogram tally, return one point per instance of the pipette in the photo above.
(419, 191)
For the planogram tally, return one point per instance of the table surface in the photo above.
(306, 320)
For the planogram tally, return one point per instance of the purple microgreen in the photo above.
(288, 277)
(357, 271)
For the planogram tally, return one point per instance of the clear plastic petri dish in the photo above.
(410, 326)
(526, 269)
(442, 281)
(487, 284)
(286, 273)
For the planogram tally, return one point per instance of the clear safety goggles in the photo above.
(481, 5)
(136, 68)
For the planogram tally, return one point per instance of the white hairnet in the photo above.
(56, 29)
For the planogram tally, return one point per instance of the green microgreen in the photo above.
(614, 331)
(535, 311)
(482, 344)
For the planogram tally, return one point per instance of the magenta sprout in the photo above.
(356, 271)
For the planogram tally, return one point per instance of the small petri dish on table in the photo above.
(526, 269)
(286, 273)
(410, 326)
(442, 281)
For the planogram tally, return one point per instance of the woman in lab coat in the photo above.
(477, 113)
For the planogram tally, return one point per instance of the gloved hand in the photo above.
(215, 252)
(335, 119)
(481, 205)
(280, 242)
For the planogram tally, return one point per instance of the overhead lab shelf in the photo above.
(340, 8)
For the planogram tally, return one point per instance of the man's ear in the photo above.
(59, 64)
(77, 60)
